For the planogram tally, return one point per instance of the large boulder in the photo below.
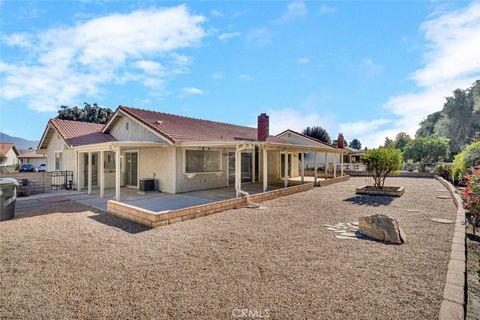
(381, 227)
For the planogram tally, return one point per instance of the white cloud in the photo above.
(216, 13)
(295, 9)
(150, 67)
(217, 76)
(193, 91)
(258, 37)
(361, 127)
(80, 60)
(324, 9)
(229, 35)
(295, 119)
(370, 68)
(245, 77)
(303, 60)
(451, 60)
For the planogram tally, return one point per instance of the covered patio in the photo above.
(103, 169)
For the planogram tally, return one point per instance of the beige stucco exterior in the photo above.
(9, 159)
(163, 161)
(135, 131)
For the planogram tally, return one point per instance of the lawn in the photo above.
(64, 260)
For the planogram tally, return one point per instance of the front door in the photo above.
(131, 169)
(94, 169)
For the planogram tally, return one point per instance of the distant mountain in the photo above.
(20, 143)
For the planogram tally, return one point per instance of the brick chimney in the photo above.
(263, 127)
(340, 141)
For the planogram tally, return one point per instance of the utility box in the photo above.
(147, 184)
(8, 198)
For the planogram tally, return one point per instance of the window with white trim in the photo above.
(197, 161)
(58, 161)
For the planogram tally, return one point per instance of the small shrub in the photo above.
(382, 162)
(472, 196)
(444, 170)
(465, 160)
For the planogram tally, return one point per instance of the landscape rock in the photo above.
(381, 227)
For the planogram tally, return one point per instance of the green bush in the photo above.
(381, 162)
(444, 170)
(465, 160)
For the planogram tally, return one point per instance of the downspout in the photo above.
(250, 204)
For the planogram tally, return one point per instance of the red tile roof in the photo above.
(184, 129)
(5, 147)
(77, 133)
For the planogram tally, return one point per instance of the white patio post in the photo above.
(78, 171)
(285, 166)
(117, 174)
(265, 170)
(302, 166)
(315, 169)
(326, 165)
(102, 173)
(334, 165)
(238, 171)
(89, 190)
(253, 166)
(350, 161)
(341, 165)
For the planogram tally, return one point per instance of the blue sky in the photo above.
(368, 69)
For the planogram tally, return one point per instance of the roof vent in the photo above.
(158, 121)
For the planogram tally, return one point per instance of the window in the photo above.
(202, 161)
(58, 161)
(126, 126)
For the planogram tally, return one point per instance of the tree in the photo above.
(89, 113)
(355, 144)
(458, 121)
(389, 143)
(318, 133)
(427, 149)
(381, 162)
(401, 140)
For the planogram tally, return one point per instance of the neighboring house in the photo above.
(301, 139)
(181, 153)
(8, 154)
(31, 156)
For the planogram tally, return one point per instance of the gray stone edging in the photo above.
(454, 300)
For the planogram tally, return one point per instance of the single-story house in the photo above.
(8, 154)
(181, 153)
(31, 156)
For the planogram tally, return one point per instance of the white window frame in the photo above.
(55, 160)
(202, 172)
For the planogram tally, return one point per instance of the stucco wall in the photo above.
(135, 132)
(11, 158)
(158, 163)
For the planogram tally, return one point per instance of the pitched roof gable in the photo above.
(308, 138)
(177, 128)
(77, 133)
(5, 147)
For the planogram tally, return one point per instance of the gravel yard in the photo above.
(64, 260)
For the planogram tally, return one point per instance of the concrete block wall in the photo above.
(157, 219)
(454, 293)
(38, 182)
